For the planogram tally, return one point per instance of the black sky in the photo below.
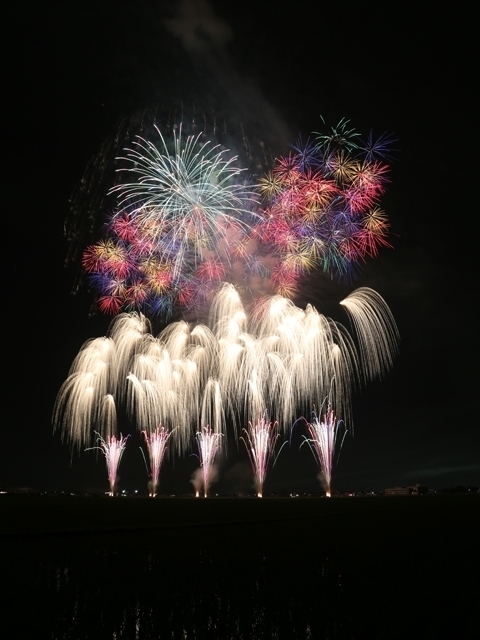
(75, 70)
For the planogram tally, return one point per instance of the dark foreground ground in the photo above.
(399, 567)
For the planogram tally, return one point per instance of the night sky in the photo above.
(77, 70)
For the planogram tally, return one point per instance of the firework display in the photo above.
(322, 207)
(278, 358)
(208, 444)
(98, 377)
(192, 219)
(260, 440)
(324, 434)
(191, 230)
(112, 448)
(168, 241)
(156, 442)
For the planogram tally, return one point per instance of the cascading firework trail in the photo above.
(98, 378)
(324, 436)
(156, 442)
(112, 448)
(260, 440)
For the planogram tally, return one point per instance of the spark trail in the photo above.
(278, 358)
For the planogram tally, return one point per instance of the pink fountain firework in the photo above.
(260, 440)
(156, 442)
(113, 450)
(324, 434)
(208, 443)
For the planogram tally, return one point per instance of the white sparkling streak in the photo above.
(376, 331)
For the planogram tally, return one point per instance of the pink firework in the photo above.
(113, 450)
(125, 227)
(111, 304)
(323, 441)
(208, 443)
(156, 443)
(260, 440)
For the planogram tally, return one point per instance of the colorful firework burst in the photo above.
(208, 443)
(322, 204)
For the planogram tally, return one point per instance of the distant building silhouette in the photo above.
(412, 490)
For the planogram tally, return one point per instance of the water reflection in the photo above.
(229, 584)
(286, 570)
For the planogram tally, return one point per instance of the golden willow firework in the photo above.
(97, 377)
(279, 360)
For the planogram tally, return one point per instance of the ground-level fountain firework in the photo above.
(208, 444)
(283, 359)
(260, 439)
(324, 434)
(156, 442)
(112, 448)
(192, 231)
